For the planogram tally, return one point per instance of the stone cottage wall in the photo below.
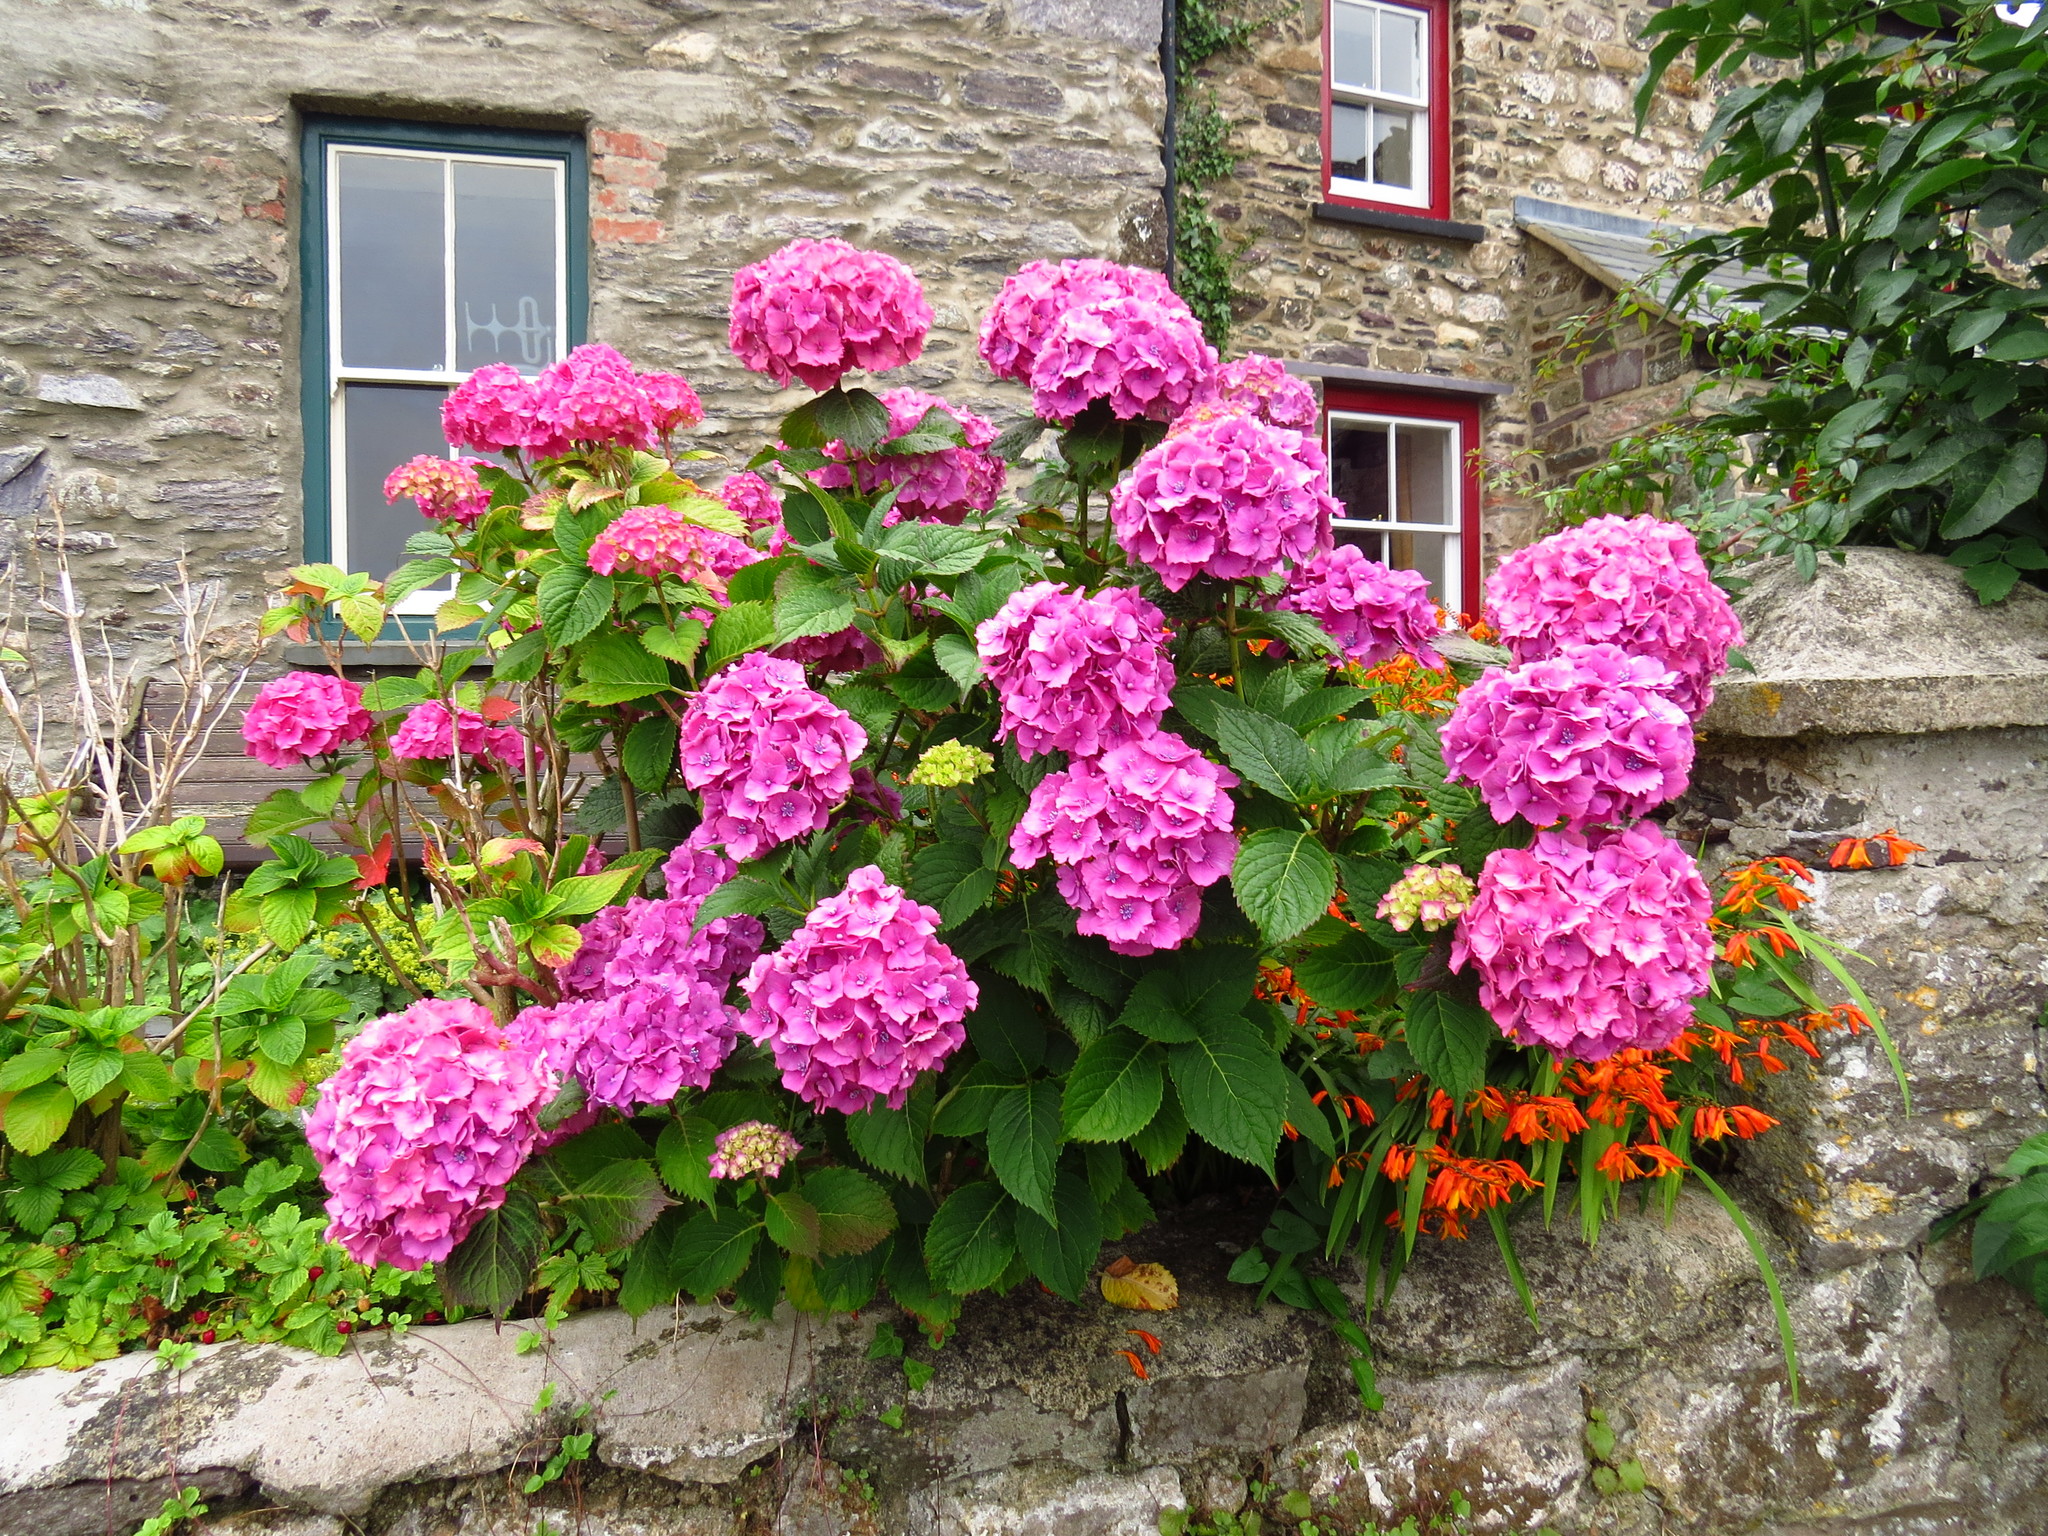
(149, 214)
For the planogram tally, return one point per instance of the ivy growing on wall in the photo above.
(1202, 264)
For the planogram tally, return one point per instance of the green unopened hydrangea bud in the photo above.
(949, 764)
(753, 1149)
(1430, 894)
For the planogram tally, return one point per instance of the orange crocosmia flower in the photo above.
(1360, 1110)
(1136, 1364)
(1399, 1162)
(1442, 1107)
(1749, 1122)
(1620, 1161)
(1897, 848)
(1850, 853)
(1736, 951)
(1710, 1123)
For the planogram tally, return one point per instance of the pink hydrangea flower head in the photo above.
(493, 410)
(445, 489)
(672, 404)
(1585, 736)
(591, 398)
(753, 1149)
(770, 757)
(303, 715)
(641, 1043)
(658, 541)
(1035, 296)
(1590, 943)
(427, 734)
(862, 999)
(1228, 497)
(818, 308)
(1074, 673)
(943, 485)
(844, 650)
(1145, 358)
(1261, 386)
(645, 938)
(748, 494)
(421, 1129)
(1373, 612)
(1135, 834)
(1635, 582)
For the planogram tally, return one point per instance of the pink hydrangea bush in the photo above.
(1074, 673)
(657, 541)
(1590, 943)
(647, 938)
(1372, 612)
(1586, 736)
(593, 399)
(1037, 294)
(941, 486)
(493, 411)
(1145, 358)
(1261, 386)
(818, 308)
(303, 715)
(1638, 583)
(770, 757)
(1229, 497)
(862, 999)
(427, 734)
(421, 1129)
(1135, 835)
(446, 490)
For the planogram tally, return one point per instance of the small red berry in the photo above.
(430, 1317)
(201, 1317)
(315, 1272)
(163, 1263)
(344, 1327)
(48, 1293)
(206, 1337)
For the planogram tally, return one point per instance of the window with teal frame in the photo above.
(426, 251)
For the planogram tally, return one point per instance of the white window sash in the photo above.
(1417, 106)
(1452, 532)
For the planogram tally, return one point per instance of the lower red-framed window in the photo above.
(1403, 470)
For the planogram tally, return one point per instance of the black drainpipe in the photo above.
(1169, 66)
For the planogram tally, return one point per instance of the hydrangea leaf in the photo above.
(1284, 881)
(1114, 1089)
(1233, 1089)
(1449, 1038)
(1351, 975)
(972, 1238)
(712, 1250)
(1060, 1255)
(1024, 1136)
(1266, 753)
(854, 1213)
(489, 1269)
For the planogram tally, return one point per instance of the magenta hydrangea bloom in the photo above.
(1228, 497)
(844, 650)
(1261, 386)
(591, 398)
(1034, 297)
(421, 1129)
(1074, 673)
(1586, 736)
(672, 404)
(641, 1043)
(302, 715)
(492, 410)
(1145, 358)
(862, 998)
(817, 308)
(1136, 834)
(756, 501)
(659, 541)
(1590, 943)
(1373, 612)
(753, 1149)
(645, 938)
(770, 757)
(943, 485)
(426, 734)
(1635, 582)
(445, 489)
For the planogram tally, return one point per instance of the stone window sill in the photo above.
(1400, 223)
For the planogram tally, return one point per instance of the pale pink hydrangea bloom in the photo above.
(1229, 497)
(492, 410)
(1074, 673)
(426, 734)
(1590, 943)
(1261, 386)
(1373, 612)
(817, 308)
(770, 757)
(1433, 895)
(1586, 736)
(943, 485)
(421, 1129)
(748, 494)
(1637, 582)
(445, 489)
(303, 715)
(753, 1149)
(1145, 358)
(1034, 297)
(862, 999)
(1136, 834)
(672, 404)
(657, 540)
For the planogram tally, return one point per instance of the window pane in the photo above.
(1433, 555)
(1358, 469)
(1351, 45)
(393, 265)
(1422, 479)
(505, 265)
(1401, 35)
(1372, 540)
(1392, 148)
(1350, 141)
(383, 425)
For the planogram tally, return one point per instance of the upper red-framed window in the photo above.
(1386, 105)
(1403, 471)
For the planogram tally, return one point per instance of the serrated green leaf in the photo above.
(792, 1223)
(971, 1239)
(1284, 881)
(739, 629)
(888, 1139)
(1114, 1089)
(1024, 1137)
(490, 1269)
(805, 611)
(1450, 1039)
(650, 752)
(1266, 753)
(38, 1115)
(572, 602)
(713, 1249)
(1061, 1254)
(854, 1214)
(1233, 1090)
(1350, 976)
(683, 1154)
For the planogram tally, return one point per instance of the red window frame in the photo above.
(1462, 412)
(1437, 18)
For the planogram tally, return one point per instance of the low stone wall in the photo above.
(1883, 697)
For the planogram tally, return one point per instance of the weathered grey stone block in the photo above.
(95, 389)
